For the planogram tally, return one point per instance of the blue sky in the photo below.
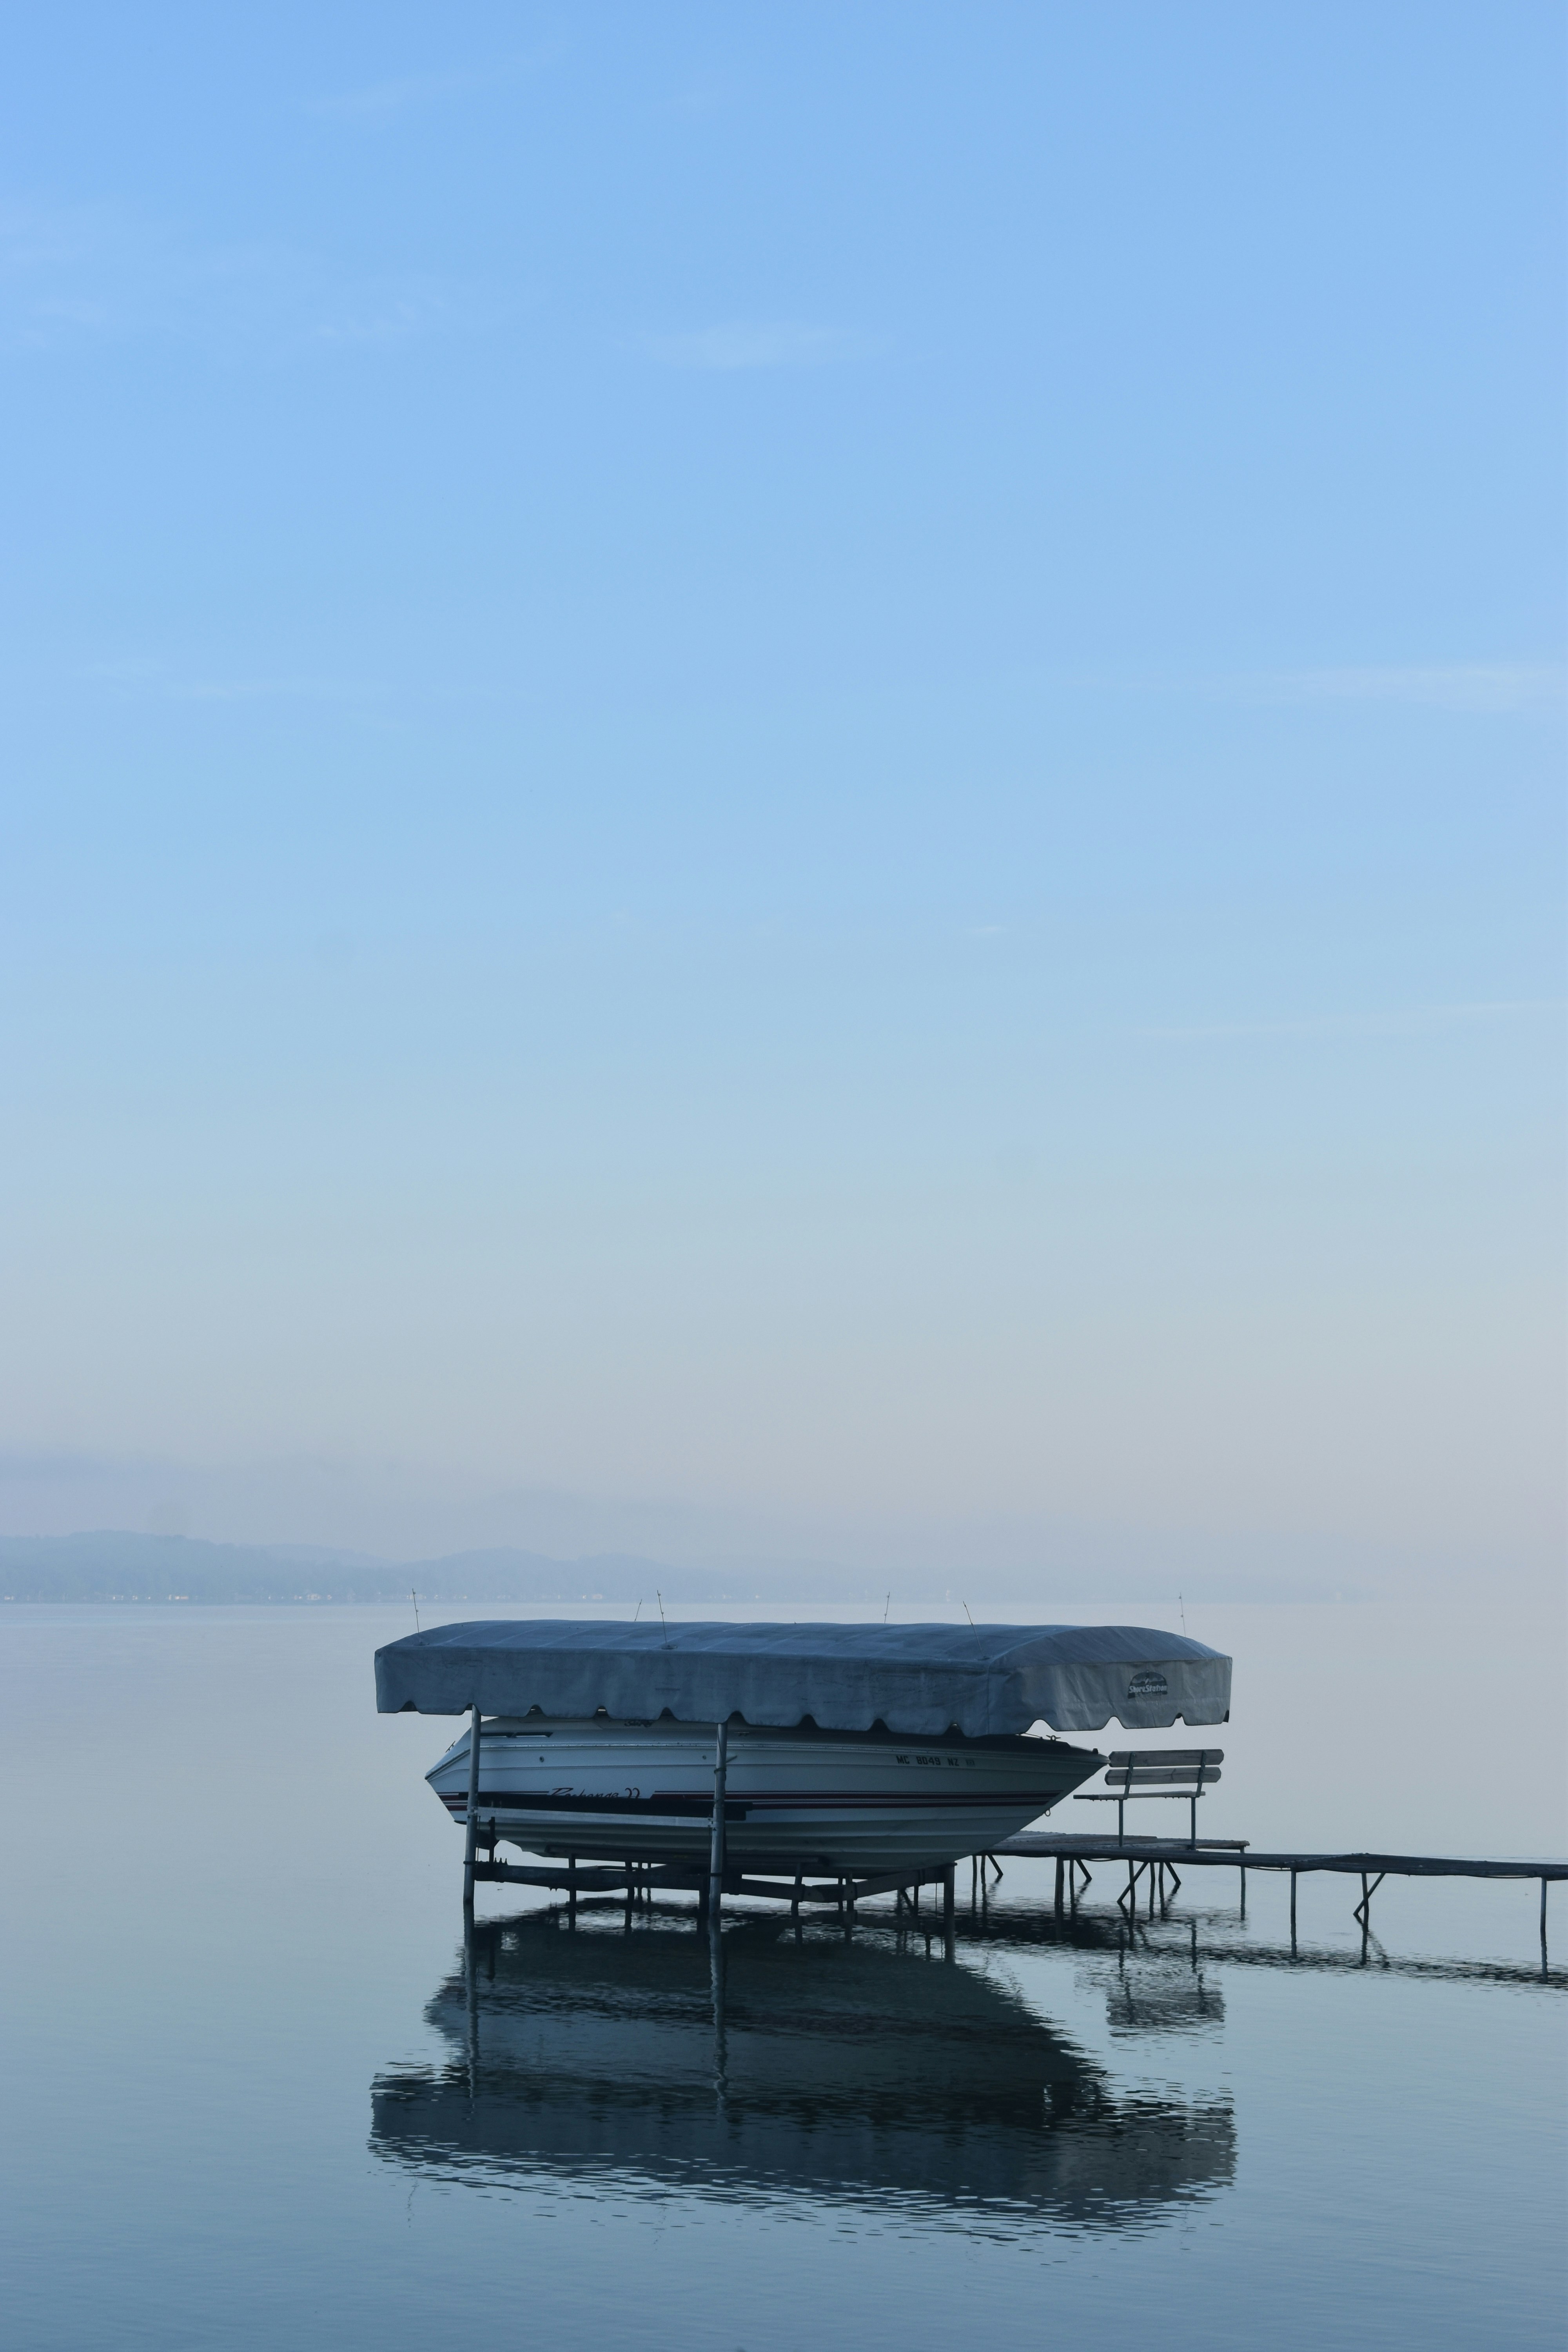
(787, 783)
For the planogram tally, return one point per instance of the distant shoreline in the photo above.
(119, 1568)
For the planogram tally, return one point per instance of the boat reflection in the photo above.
(858, 2072)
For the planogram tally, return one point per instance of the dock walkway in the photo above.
(1237, 1853)
(1160, 1856)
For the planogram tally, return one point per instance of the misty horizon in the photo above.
(744, 822)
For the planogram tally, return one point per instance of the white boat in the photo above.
(796, 1800)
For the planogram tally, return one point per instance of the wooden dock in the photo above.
(1159, 1859)
(1154, 1867)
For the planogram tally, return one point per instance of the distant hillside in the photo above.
(114, 1565)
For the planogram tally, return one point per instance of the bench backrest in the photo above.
(1164, 1768)
(1122, 1755)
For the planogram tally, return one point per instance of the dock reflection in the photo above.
(858, 2072)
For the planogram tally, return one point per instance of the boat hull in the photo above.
(796, 1801)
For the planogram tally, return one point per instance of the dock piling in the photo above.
(472, 1832)
(471, 2002)
(716, 1842)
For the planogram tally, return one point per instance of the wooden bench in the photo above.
(1156, 1773)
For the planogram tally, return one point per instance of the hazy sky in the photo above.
(788, 780)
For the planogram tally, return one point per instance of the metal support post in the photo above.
(472, 1991)
(716, 1981)
(1292, 1915)
(948, 1923)
(1061, 1884)
(1364, 1908)
(471, 1838)
(716, 1843)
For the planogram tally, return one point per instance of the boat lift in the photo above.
(914, 1680)
(640, 1879)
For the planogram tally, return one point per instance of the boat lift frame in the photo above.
(638, 1879)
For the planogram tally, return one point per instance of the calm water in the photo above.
(258, 2094)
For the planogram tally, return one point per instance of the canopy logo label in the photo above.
(1148, 1682)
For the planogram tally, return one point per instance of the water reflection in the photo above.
(1141, 1951)
(861, 2071)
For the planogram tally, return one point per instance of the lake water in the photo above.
(258, 2092)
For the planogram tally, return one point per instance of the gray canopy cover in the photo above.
(917, 1679)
